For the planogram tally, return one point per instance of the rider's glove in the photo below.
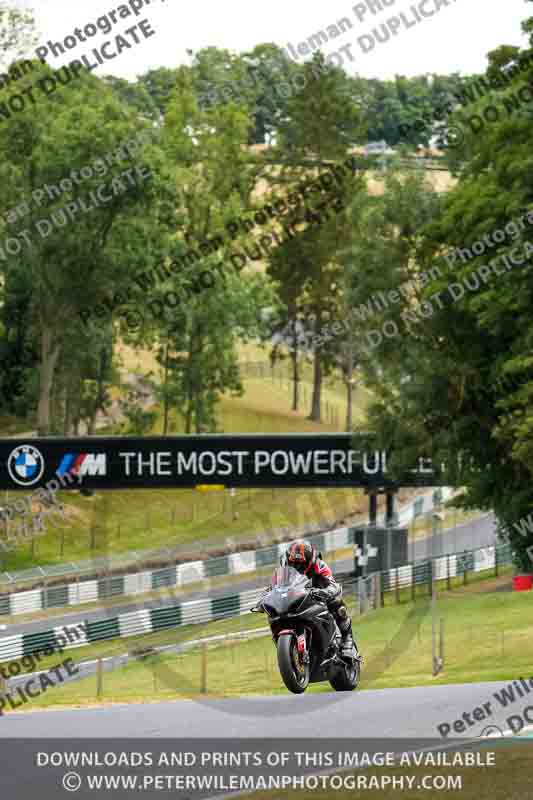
(319, 594)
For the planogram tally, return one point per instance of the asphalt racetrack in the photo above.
(384, 713)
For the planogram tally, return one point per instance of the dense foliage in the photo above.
(451, 370)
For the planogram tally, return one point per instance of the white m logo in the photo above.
(94, 464)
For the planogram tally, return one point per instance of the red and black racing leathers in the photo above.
(322, 578)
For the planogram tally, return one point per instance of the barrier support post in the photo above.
(203, 683)
(397, 585)
(99, 679)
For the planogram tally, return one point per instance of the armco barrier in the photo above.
(145, 621)
(239, 563)
(189, 572)
(24, 644)
(134, 623)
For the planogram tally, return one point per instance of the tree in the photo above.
(17, 34)
(136, 95)
(456, 397)
(276, 80)
(261, 80)
(83, 379)
(158, 84)
(287, 264)
(75, 263)
(322, 123)
(197, 339)
(17, 353)
(199, 347)
(139, 422)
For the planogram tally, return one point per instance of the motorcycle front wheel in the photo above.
(295, 674)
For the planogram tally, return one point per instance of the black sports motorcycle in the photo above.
(306, 635)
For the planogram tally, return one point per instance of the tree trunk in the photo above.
(316, 404)
(76, 416)
(349, 388)
(67, 420)
(91, 423)
(165, 394)
(49, 359)
(190, 395)
(349, 407)
(295, 373)
(100, 385)
(56, 411)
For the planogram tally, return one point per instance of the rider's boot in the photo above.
(348, 646)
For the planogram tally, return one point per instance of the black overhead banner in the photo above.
(262, 461)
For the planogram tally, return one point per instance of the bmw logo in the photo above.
(25, 465)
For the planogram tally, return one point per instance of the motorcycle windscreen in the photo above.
(288, 576)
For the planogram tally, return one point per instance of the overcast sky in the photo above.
(456, 38)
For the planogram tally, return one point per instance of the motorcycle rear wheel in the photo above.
(295, 675)
(346, 678)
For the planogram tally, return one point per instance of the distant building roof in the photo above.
(376, 147)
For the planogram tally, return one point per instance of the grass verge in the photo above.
(510, 778)
(118, 522)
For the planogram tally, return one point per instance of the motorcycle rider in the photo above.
(301, 555)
